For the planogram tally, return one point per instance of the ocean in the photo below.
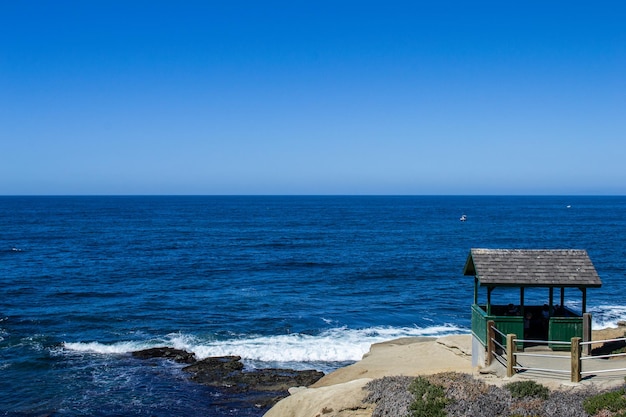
(303, 282)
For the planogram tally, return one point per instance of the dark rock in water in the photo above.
(261, 388)
(210, 370)
(176, 355)
(267, 386)
(227, 371)
(279, 379)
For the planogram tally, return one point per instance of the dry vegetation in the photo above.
(463, 395)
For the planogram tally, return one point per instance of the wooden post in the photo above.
(575, 359)
(491, 346)
(587, 333)
(551, 297)
(510, 354)
(476, 290)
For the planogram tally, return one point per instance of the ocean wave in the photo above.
(333, 345)
(340, 344)
(117, 348)
(602, 316)
(605, 316)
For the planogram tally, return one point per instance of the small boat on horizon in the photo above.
(463, 217)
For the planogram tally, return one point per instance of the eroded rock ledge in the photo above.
(265, 386)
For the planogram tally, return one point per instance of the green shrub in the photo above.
(614, 401)
(430, 399)
(522, 389)
(618, 351)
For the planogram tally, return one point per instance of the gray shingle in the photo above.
(532, 267)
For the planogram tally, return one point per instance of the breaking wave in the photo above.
(333, 345)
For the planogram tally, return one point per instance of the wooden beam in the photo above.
(511, 359)
(491, 346)
(475, 290)
(575, 373)
(551, 297)
(587, 333)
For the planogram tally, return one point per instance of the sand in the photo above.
(341, 393)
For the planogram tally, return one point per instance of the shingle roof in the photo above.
(532, 268)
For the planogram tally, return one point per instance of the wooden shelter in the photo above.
(525, 269)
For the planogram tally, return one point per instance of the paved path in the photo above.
(547, 365)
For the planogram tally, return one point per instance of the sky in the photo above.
(312, 97)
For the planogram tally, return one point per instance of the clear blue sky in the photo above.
(315, 97)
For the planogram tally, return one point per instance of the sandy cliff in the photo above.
(341, 393)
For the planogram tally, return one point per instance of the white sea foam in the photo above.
(607, 315)
(106, 349)
(334, 345)
(602, 316)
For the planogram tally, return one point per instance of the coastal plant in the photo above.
(618, 350)
(612, 401)
(453, 394)
(524, 389)
(567, 404)
(459, 386)
(390, 394)
(493, 401)
(430, 399)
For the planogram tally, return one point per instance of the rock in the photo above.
(260, 387)
(266, 386)
(340, 400)
(212, 371)
(176, 355)
(277, 379)
(293, 390)
(227, 372)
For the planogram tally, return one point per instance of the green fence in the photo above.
(563, 329)
(505, 324)
(560, 329)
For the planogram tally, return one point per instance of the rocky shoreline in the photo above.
(348, 391)
(261, 388)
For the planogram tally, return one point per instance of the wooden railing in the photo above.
(609, 356)
(504, 348)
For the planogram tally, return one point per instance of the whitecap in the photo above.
(606, 316)
(333, 345)
(107, 349)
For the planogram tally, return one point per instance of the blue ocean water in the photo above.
(300, 282)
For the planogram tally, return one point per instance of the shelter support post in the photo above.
(587, 333)
(551, 300)
(584, 290)
(475, 290)
(491, 346)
